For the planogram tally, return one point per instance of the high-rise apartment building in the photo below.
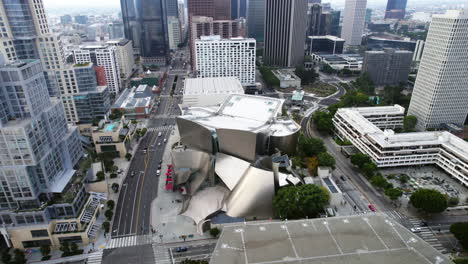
(285, 24)
(145, 24)
(418, 51)
(353, 22)
(125, 58)
(65, 19)
(216, 57)
(207, 26)
(388, 67)
(81, 19)
(440, 94)
(37, 148)
(256, 19)
(105, 56)
(396, 9)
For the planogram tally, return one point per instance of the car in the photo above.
(371, 207)
(181, 249)
(145, 150)
(159, 134)
(159, 144)
(158, 172)
(159, 166)
(343, 178)
(165, 140)
(132, 174)
(160, 161)
(416, 229)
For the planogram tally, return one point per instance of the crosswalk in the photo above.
(95, 257)
(161, 128)
(395, 214)
(427, 235)
(129, 241)
(161, 254)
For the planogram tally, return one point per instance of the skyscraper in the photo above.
(285, 25)
(315, 17)
(440, 93)
(353, 21)
(217, 9)
(145, 23)
(335, 29)
(256, 19)
(388, 67)
(238, 9)
(396, 9)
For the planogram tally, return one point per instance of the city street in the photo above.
(132, 215)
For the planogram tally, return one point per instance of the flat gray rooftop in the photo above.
(364, 239)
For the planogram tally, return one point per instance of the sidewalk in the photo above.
(165, 218)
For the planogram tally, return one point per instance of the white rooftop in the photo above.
(244, 112)
(330, 37)
(219, 85)
(454, 14)
(389, 139)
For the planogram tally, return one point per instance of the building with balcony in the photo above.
(113, 136)
(370, 131)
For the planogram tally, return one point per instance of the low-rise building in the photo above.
(329, 44)
(339, 62)
(136, 102)
(363, 127)
(113, 136)
(209, 91)
(287, 79)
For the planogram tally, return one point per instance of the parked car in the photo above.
(158, 172)
(416, 229)
(343, 178)
(132, 174)
(371, 207)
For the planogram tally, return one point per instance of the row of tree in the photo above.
(312, 153)
(268, 76)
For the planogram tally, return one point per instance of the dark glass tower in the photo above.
(238, 9)
(145, 24)
(256, 19)
(396, 9)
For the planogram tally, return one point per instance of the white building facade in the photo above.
(363, 127)
(440, 94)
(125, 58)
(235, 57)
(202, 92)
(104, 56)
(353, 22)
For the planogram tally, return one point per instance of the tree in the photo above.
(409, 123)
(325, 159)
(312, 164)
(310, 146)
(116, 114)
(65, 248)
(20, 258)
(328, 69)
(404, 178)
(100, 175)
(190, 261)
(360, 159)
(113, 175)
(108, 213)
(306, 76)
(323, 121)
(268, 76)
(110, 204)
(369, 169)
(429, 201)
(115, 187)
(74, 248)
(294, 202)
(214, 232)
(394, 193)
(364, 84)
(106, 226)
(128, 156)
(453, 201)
(379, 181)
(460, 231)
(45, 250)
(6, 257)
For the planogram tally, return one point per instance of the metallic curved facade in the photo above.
(238, 143)
(285, 144)
(195, 135)
(253, 195)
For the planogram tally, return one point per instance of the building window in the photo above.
(40, 233)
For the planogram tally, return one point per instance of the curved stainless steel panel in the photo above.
(253, 195)
(198, 163)
(285, 144)
(195, 135)
(238, 143)
(230, 169)
(205, 203)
